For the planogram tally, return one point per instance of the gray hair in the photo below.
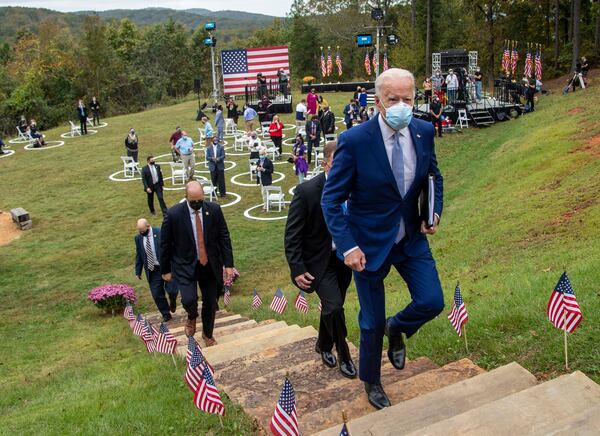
(397, 73)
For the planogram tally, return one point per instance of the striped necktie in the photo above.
(150, 259)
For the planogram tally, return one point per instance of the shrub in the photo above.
(112, 298)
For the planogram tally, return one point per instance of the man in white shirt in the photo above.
(451, 86)
(300, 115)
(152, 179)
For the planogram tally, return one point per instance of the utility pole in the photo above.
(215, 91)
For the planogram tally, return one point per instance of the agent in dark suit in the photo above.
(313, 135)
(147, 257)
(328, 121)
(314, 265)
(82, 114)
(195, 247)
(215, 156)
(379, 169)
(95, 108)
(152, 179)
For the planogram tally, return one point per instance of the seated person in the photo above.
(38, 137)
(22, 126)
(253, 144)
(2, 145)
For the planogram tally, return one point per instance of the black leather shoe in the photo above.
(327, 357)
(167, 318)
(396, 349)
(172, 303)
(348, 369)
(377, 396)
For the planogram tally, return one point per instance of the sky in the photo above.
(268, 7)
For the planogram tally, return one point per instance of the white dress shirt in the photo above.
(152, 247)
(154, 174)
(193, 219)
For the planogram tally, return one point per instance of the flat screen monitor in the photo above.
(364, 40)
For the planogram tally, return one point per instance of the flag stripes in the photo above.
(563, 310)
(279, 302)
(458, 315)
(285, 419)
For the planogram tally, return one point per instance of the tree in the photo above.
(556, 32)
(576, 31)
(428, 40)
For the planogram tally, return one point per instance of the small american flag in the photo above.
(375, 61)
(128, 312)
(207, 397)
(227, 296)
(344, 431)
(285, 420)
(320, 306)
(458, 315)
(195, 365)
(148, 336)
(279, 302)
(563, 310)
(323, 65)
(514, 58)
(506, 60)
(386, 65)
(338, 62)
(367, 63)
(528, 66)
(329, 63)
(138, 325)
(256, 301)
(538, 66)
(164, 341)
(301, 304)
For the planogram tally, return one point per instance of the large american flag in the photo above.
(329, 63)
(323, 65)
(301, 303)
(279, 302)
(285, 420)
(506, 60)
(256, 301)
(195, 365)
(514, 59)
(241, 66)
(164, 341)
(528, 65)
(148, 336)
(367, 63)
(538, 66)
(207, 397)
(138, 326)
(458, 315)
(563, 310)
(338, 62)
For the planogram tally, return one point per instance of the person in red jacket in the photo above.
(276, 132)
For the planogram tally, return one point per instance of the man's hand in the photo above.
(430, 230)
(304, 280)
(167, 277)
(139, 277)
(356, 260)
(149, 191)
(228, 273)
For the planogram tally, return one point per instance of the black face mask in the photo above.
(151, 162)
(145, 233)
(196, 204)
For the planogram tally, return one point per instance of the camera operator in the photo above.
(283, 82)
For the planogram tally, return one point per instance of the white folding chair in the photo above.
(463, 120)
(330, 137)
(209, 189)
(75, 129)
(252, 163)
(264, 129)
(23, 136)
(272, 150)
(90, 122)
(314, 173)
(273, 195)
(177, 172)
(202, 135)
(129, 166)
(230, 127)
(241, 141)
(318, 151)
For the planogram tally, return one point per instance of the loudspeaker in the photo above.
(454, 58)
(196, 85)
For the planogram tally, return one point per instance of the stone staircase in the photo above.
(252, 359)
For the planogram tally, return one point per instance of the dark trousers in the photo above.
(277, 143)
(133, 154)
(348, 124)
(437, 122)
(83, 125)
(218, 180)
(332, 293)
(96, 117)
(530, 101)
(311, 143)
(158, 287)
(158, 190)
(421, 277)
(205, 279)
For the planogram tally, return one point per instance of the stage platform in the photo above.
(482, 113)
(281, 105)
(337, 87)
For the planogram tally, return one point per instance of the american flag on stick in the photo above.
(329, 63)
(207, 397)
(514, 58)
(320, 306)
(240, 66)
(506, 60)
(367, 63)
(538, 66)
(458, 315)
(323, 65)
(301, 303)
(285, 419)
(338, 62)
(279, 302)
(386, 65)
(563, 310)
(256, 301)
(528, 65)
(148, 336)
(375, 61)
(195, 365)
(138, 326)
(164, 341)
(227, 296)
(344, 431)
(128, 312)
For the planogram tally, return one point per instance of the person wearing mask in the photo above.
(300, 115)
(585, 68)
(264, 110)
(451, 86)
(261, 85)
(82, 116)
(196, 252)
(530, 91)
(328, 121)
(152, 179)
(148, 258)
(322, 103)
(435, 113)
(357, 93)
(478, 77)
(232, 110)
(208, 131)
(253, 143)
(313, 135)
(23, 125)
(220, 123)
(315, 266)
(312, 104)
(131, 144)
(95, 108)
(437, 82)
(264, 171)
(283, 82)
(175, 136)
(215, 156)
(427, 87)
(299, 158)
(350, 111)
(38, 137)
(371, 112)
(249, 117)
(185, 149)
(276, 133)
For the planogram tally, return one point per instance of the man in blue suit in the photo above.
(379, 169)
(215, 156)
(147, 257)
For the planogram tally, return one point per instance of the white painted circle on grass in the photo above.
(7, 153)
(49, 144)
(99, 126)
(117, 177)
(19, 141)
(288, 127)
(258, 218)
(247, 174)
(68, 135)
(179, 187)
(232, 166)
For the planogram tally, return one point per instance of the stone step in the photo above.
(585, 423)
(409, 384)
(219, 322)
(432, 407)
(252, 332)
(217, 332)
(531, 411)
(231, 351)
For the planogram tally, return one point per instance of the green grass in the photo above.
(520, 205)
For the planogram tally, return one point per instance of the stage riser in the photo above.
(337, 87)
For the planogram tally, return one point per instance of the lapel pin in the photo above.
(418, 136)
(206, 213)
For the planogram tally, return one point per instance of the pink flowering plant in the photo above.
(227, 284)
(112, 298)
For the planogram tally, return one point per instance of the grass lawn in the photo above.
(521, 204)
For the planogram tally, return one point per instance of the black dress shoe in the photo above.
(167, 318)
(172, 304)
(348, 369)
(327, 357)
(396, 349)
(377, 396)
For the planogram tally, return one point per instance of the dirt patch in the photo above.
(8, 230)
(569, 215)
(591, 147)
(575, 110)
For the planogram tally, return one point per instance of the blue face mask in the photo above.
(398, 116)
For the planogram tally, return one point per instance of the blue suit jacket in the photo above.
(140, 250)
(220, 163)
(361, 173)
